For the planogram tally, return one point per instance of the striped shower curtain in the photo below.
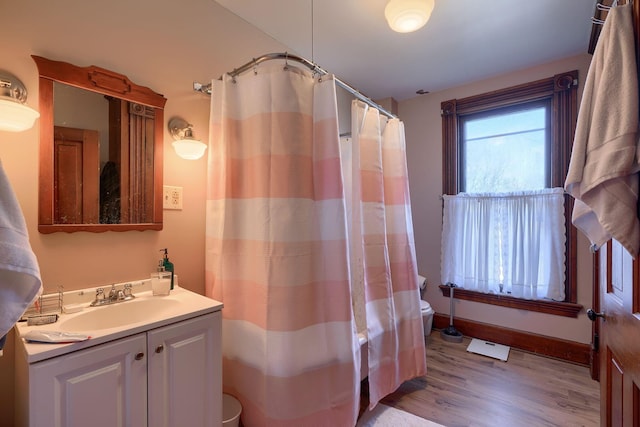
(382, 247)
(276, 249)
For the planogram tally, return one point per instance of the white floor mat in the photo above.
(386, 416)
(487, 348)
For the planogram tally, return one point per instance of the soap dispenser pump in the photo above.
(168, 265)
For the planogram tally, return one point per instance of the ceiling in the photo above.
(464, 41)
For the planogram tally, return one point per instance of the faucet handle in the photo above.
(127, 289)
(100, 298)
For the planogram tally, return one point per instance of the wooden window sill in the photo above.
(566, 309)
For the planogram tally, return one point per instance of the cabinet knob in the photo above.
(159, 349)
(139, 356)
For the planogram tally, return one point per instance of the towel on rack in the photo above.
(20, 281)
(602, 174)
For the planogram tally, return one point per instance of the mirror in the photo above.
(100, 151)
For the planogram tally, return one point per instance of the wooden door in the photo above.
(619, 284)
(617, 333)
(76, 176)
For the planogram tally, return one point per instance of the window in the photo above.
(505, 150)
(515, 139)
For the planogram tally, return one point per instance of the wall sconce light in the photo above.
(405, 16)
(185, 144)
(15, 116)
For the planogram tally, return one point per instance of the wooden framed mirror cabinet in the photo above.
(101, 142)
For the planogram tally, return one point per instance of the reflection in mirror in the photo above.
(100, 151)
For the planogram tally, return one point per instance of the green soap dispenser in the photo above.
(168, 265)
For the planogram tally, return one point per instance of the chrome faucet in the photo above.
(115, 295)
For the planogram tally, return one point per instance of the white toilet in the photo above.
(425, 308)
(427, 317)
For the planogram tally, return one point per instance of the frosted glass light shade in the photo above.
(190, 149)
(16, 117)
(405, 16)
(185, 144)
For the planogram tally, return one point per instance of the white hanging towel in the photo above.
(602, 174)
(20, 281)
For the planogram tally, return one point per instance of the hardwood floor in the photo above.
(466, 389)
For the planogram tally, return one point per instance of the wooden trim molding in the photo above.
(557, 348)
(596, 28)
(595, 326)
(566, 309)
(448, 110)
(98, 80)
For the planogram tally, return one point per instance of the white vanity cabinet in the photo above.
(184, 383)
(167, 376)
(103, 386)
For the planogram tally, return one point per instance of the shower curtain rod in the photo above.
(312, 66)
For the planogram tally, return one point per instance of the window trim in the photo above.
(562, 91)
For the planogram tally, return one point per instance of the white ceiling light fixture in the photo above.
(405, 16)
(185, 145)
(15, 115)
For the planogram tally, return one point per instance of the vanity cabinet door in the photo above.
(103, 386)
(185, 366)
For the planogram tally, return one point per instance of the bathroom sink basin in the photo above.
(119, 314)
(112, 322)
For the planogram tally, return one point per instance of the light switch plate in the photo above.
(172, 197)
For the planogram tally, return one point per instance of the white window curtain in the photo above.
(505, 243)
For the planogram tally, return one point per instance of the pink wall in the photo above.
(423, 127)
(146, 46)
(138, 39)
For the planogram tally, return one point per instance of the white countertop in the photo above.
(188, 305)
